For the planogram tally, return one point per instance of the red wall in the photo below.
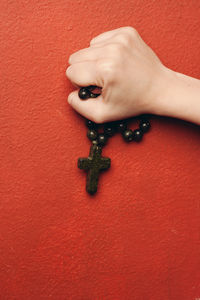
(139, 237)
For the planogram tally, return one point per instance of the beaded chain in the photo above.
(95, 162)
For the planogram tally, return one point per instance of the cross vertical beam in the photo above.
(93, 165)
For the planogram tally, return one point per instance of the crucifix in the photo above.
(95, 162)
(93, 165)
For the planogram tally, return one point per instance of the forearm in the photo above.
(179, 97)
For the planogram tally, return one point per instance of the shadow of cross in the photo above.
(93, 165)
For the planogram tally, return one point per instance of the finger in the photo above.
(86, 54)
(90, 108)
(75, 85)
(82, 74)
(91, 54)
(108, 35)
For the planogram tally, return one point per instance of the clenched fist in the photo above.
(132, 78)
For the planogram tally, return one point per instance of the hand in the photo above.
(128, 71)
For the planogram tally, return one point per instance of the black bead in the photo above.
(122, 126)
(92, 134)
(92, 95)
(109, 129)
(95, 142)
(84, 93)
(90, 124)
(137, 135)
(91, 89)
(128, 135)
(144, 125)
(102, 139)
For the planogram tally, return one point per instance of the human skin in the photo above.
(133, 80)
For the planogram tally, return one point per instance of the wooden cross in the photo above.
(93, 165)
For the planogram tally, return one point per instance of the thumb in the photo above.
(91, 109)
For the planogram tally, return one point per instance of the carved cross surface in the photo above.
(93, 165)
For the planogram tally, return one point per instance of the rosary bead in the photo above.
(84, 93)
(95, 142)
(122, 126)
(144, 125)
(128, 135)
(92, 95)
(109, 129)
(137, 135)
(90, 124)
(102, 139)
(92, 134)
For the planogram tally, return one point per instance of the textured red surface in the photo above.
(139, 237)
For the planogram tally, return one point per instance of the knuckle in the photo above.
(126, 36)
(116, 49)
(131, 34)
(124, 40)
(111, 47)
(106, 67)
(131, 31)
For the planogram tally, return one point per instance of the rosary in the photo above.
(95, 162)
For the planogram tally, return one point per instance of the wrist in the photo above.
(178, 96)
(161, 103)
(155, 100)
